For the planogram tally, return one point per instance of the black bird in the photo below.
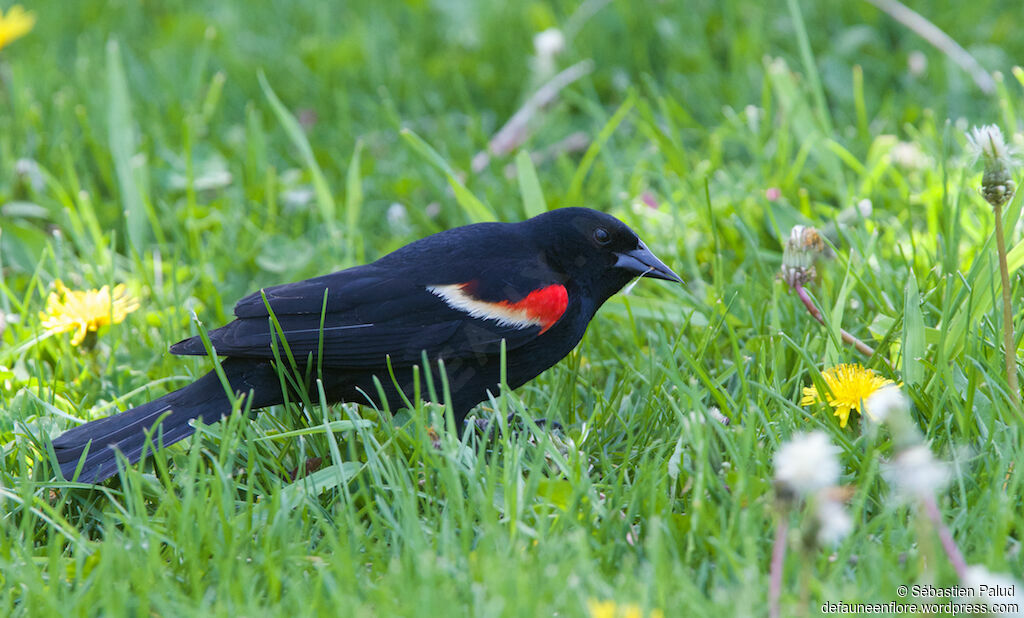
(455, 295)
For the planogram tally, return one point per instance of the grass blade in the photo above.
(529, 185)
(324, 199)
(576, 186)
(353, 207)
(121, 134)
(475, 209)
(913, 349)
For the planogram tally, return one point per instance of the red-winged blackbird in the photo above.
(454, 295)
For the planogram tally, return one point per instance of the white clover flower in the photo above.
(885, 402)
(546, 46)
(398, 219)
(549, 43)
(298, 197)
(834, 523)
(807, 463)
(915, 473)
(397, 216)
(29, 169)
(909, 156)
(917, 63)
(995, 589)
(753, 115)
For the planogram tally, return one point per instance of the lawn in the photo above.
(195, 152)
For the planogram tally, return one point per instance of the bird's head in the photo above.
(597, 249)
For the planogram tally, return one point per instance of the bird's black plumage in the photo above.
(454, 296)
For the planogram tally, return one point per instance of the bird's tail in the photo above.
(127, 432)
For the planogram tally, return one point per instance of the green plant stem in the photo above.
(1009, 349)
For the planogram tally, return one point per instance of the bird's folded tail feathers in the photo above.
(127, 432)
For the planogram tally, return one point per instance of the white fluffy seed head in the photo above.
(987, 142)
(885, 403)
(978, 576)
(834, 523)
(807, 463)
(915, 473)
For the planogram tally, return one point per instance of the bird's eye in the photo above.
(601, 236)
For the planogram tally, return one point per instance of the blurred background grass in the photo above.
(157, 108)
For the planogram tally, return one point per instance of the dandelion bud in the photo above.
(802, 249)
(997, 186)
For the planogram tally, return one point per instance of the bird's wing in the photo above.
(371, 314)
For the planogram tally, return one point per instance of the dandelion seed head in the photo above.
(915, 473)
(987, 142)
(997, 185)
(807, 463)
(885, 402)
(834, 523)
(978, 576)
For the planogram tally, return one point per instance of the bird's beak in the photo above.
(642, 262)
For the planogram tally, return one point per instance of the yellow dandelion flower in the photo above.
(15, 24)
(611, 609)
(851, 385)
(81, 312)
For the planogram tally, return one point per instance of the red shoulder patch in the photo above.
(546, 305)
(541, 307)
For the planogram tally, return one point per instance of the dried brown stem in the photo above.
(956, 558)
(942, 41)
(848, 338)
(516, 130)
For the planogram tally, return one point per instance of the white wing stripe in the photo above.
(456, 298)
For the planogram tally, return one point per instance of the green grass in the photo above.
(198, 151)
